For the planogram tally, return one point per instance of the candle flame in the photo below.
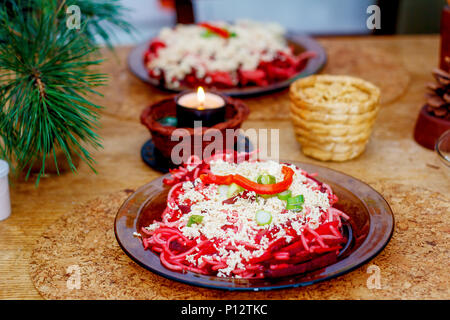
(201, 96)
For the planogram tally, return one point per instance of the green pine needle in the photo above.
(46, 71)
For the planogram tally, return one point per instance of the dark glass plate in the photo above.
(300, 43)
(371, 227)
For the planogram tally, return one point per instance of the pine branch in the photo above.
(46, 73)
(97, 15)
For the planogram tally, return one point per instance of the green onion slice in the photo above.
(194, 219)
(263, 217)
(294, 207)
(233, 190)
(266, 179)
(208, 34)
(296, 200)
(284, 195)
(295, 203)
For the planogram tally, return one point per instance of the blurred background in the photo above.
(318, 17)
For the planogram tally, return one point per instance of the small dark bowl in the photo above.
(236, 112)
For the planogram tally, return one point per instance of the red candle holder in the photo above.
(429, 128)
(445, 39)
(236, 112)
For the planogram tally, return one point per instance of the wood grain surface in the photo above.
(391, 156)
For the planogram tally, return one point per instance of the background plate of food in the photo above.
(241, 224)
(240, 59)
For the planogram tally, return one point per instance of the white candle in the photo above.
(201, 100)
(5, 201)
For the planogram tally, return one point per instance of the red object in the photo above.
(167, 4)
(445, 39)
(256, 76)
(219, 31)
(155, 45)
(277, 73)
(251, 185)
(236, 112)
(221, 78)
(429, 128)
(314, 264)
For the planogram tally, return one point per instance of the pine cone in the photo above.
(438, 99)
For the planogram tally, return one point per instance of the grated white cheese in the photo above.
(153, 226)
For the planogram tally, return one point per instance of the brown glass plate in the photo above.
(371, 227)
(300, 44)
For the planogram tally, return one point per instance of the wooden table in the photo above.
(392, 155)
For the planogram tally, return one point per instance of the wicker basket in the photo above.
(333, 116)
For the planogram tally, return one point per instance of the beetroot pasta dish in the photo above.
(231, 216)
(223, 55)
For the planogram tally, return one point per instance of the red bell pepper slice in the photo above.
(217, 30)
(251, 185)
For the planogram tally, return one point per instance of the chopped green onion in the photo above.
(284, 195)
(222, 190)
(208, 34)
(295, 203)
(266, 179)
(294, 207)
(263, 217)
(233, 190)
(194, 219)
(297, 199)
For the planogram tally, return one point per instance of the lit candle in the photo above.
(200, 106)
